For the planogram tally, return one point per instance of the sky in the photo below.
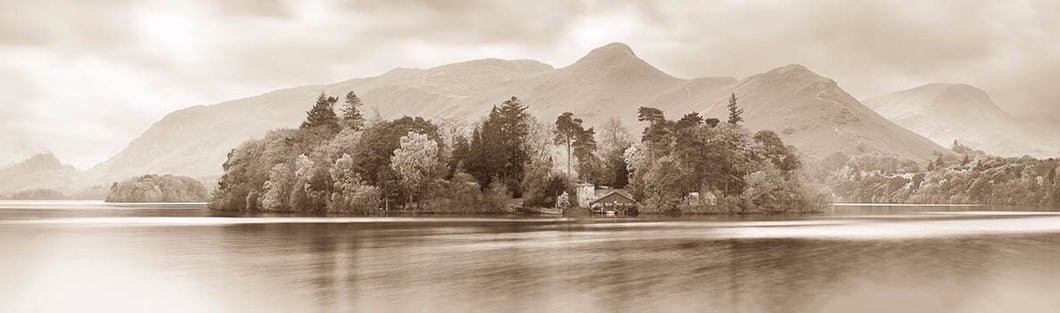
(83, 78)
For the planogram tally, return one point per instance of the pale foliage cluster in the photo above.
(158, 188)
(416, 160)
(276, 188)
(303, 171)
(350, 194)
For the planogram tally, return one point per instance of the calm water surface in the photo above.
(73, 256)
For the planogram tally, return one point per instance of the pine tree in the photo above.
(656, 134)
(498, 149)
(514, 127)
(690, 120)
(735, 113)
(322, 115)
(584, 149)
(712, 122)
(568, 128)
(515, 121)
(650, 115)
(351, 113)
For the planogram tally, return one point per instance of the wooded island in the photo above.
(352, 165)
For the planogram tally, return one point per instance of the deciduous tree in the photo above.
(416, 162)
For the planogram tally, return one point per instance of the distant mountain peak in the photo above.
(948, 111)
(794, 70)
(953, 95)
(962, 90)
(613, 49)
(617, 60)
(949, 85)
(951, 88)
(609, 55)
(794, 67)
(46, 158)
(795, 75)
(42, 170)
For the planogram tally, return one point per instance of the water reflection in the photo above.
(120, 263)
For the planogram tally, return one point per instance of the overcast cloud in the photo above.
(83, 78)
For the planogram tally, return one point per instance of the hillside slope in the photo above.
(948, 112)
(814, 114)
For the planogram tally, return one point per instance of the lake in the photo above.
(90, 256)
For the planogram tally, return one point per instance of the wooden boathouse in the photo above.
(614, 202)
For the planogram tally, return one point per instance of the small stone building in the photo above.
(701, 198)
(586, 193)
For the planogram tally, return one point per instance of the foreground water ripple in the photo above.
(171, 258)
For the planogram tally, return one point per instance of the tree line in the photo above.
(158, 188)
(347, 164)
(970, 177)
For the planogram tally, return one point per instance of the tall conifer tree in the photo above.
(498, 146)
(568, 128)
(735, 112)
(322, 115)
(351, 112)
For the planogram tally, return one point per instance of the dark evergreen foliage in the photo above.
(657, 134)
(568, 128)
(735, 112)
(580, 144)
(461, 152)
(585, 153)
(322, 115)
(351, 112)
(497, 148)
(785, 158)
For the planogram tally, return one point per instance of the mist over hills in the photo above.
(807, 110)
(39, 171)
(948, 112)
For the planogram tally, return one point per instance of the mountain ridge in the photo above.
(947, 112)
(609, 81)
(814, 114)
